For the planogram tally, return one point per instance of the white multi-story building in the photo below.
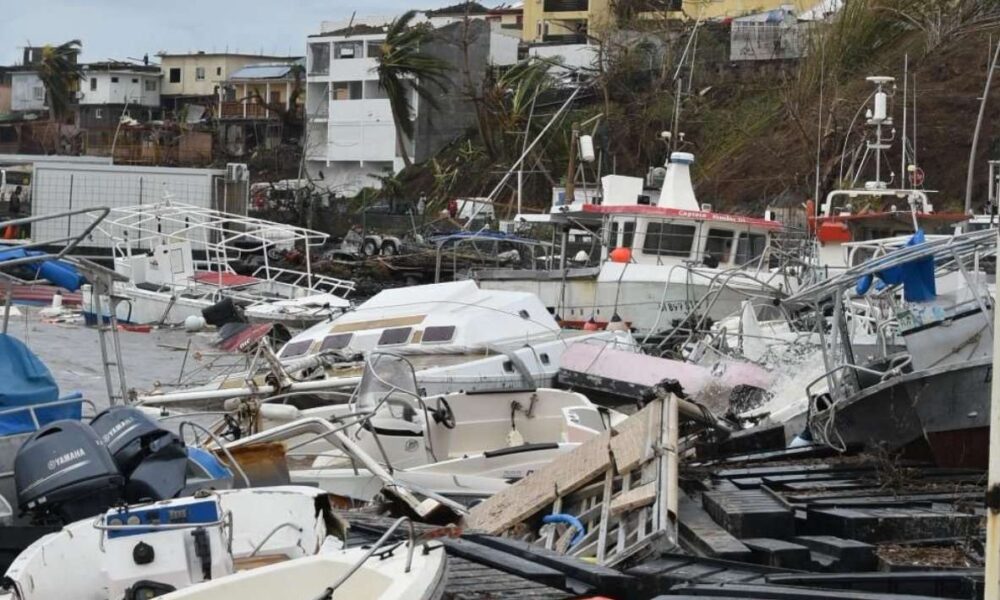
(111, 90)
(351, 134)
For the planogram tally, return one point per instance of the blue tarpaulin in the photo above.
(917, 276)
(26, 381)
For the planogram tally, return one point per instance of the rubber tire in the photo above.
(389, 248)
(369, 248)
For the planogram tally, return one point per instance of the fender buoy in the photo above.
(621, 255)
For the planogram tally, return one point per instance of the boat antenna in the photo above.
(975, 134)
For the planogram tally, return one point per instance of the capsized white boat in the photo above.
(456, 335)
(180, 260)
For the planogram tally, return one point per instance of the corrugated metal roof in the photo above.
(262, 71)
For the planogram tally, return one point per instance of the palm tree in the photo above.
(60, 74)
(402, 67)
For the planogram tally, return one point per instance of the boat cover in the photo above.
(28, 382)
(917, 276)
(58, 272)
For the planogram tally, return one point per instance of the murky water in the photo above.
(72, 353)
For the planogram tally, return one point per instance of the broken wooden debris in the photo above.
(608, 499)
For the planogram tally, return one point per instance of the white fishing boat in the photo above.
(661, 253)
(277, 541)
(456, 335)
(181, 259)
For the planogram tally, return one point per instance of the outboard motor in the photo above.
(152, 459)
(63, 471)
(222, 312)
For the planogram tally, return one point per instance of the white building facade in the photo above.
(27, 92)
(121, 85)
(350, 130)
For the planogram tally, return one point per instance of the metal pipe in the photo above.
(294, 526)
(328, 592)
(975, 134)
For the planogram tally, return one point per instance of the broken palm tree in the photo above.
(613, 498)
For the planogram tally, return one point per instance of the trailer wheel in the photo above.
(369, 248)
(389, 248)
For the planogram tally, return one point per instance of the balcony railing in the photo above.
(565, 5)
(244, 110)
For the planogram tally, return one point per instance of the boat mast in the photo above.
(975, 134)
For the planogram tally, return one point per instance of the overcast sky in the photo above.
(119, 29)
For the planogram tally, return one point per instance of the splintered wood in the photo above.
(611, 484)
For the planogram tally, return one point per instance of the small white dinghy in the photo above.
(334, 574)
(278, 536)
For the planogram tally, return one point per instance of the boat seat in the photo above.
(247, 563)
(153, 287)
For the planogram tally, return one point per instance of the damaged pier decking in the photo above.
(797, 524)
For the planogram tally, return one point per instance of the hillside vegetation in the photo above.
(753, 128)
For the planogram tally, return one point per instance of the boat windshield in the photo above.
(389, 381)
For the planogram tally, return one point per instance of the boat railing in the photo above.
(374, 549)
(317, 283)
(69, 243)
(32, 409)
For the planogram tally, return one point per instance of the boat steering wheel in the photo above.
(443, 414)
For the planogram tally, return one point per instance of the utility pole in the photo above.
(992, 572)
(975, 142)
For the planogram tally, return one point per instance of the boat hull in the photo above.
(942, 411)
(646, 303)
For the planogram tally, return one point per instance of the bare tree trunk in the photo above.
(401, 142)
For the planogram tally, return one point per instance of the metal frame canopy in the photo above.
(185, 222)
(944, 250)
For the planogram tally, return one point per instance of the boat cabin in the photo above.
(862, 215)
(666, 226)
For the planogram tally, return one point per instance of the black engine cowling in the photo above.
(153, 460)
(64, 471)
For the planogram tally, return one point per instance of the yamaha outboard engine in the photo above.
(153, 460)
(63, 471)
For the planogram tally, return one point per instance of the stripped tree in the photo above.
(60, 74)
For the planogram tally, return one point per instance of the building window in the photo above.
(319, 58)
(199, 73)
(114, 80)
(93, 84)
(175, 75)
(346, 90)
(375, 49)
(348, 50)
(38, 93)
(150, 85)
(218, 71)
(98, 113)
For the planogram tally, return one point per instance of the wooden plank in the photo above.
(634, 439)
(505, 561)
(563, 475)
(602, 537)
(638, 497)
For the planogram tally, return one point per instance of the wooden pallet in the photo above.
(622, 487)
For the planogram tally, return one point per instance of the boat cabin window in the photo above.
(296, 348)
(749, 247)
(719, 246)
(394, 336)
(627, 230)
(438, 334)
(338, 341)
(668, 239)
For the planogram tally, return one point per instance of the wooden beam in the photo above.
(636, 498)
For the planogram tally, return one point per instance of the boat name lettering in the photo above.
(65, 458)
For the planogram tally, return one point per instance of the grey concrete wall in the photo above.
(456, 113)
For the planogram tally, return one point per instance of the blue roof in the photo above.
(263, 71)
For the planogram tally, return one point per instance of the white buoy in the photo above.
(194, 323)
(55, 309)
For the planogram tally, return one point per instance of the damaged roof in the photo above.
(266, 70)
